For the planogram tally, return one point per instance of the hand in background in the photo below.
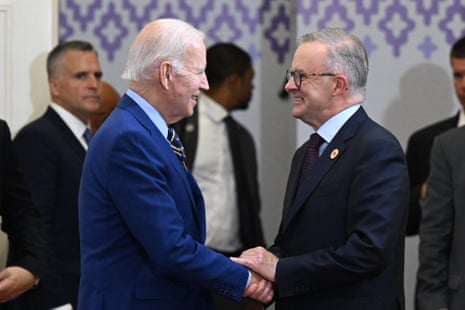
(14, 281)
(423, 196)
(259, 289)
(259, 260)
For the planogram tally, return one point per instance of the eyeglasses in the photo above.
(299, 76)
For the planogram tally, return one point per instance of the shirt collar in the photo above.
(461, 118)
(331, 127)
(76, 126)
(151, 112)
(212, 109)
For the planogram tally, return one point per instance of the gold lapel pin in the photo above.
(334, 154)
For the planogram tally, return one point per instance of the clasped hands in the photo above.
(262, 264)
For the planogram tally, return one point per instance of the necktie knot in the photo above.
(315, 141)
(87, 135)
(177, 147)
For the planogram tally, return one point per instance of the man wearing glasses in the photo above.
(340, 244)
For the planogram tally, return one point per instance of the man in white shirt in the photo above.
(224, 161)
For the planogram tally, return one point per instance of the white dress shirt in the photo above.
(213, 169)
(76, 126)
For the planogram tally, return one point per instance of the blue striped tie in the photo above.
(177, 147)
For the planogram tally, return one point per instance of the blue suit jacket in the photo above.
(341, 239)
(142, 224)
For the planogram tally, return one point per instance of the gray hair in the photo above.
(346, 55)
(161, 40)
(55, 56)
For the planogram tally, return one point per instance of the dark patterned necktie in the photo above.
(311, 155)
(87, 136)
(177, 147)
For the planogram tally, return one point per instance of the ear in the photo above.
(54, 86)
(341, 84)
(165, 74)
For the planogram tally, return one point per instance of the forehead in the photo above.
(458, 64)
(196, 54)
(309, 55)
(75, 60)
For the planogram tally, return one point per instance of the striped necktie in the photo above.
(177, 147)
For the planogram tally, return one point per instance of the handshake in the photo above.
(262, 265)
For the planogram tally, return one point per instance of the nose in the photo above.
(204, 82)
(462, 81)
(290, 85)
(93, 81)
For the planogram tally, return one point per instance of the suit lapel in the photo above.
(333, 152)
(193, 190)
(68, 137)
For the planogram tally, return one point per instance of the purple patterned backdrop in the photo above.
(112, 22)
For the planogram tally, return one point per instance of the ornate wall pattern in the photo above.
(112, 22)
(391, 22)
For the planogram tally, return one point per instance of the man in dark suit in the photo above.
(21, 223)
(442, 228)
(141, 212)
(51, 151)
(420, 143)
(225, 166)
(340, 243)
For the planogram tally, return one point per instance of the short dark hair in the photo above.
(58, 51)
(224, 59)
(458, 49)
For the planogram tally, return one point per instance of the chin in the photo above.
(296, 113)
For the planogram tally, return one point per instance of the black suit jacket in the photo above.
(341, 239)
(20, 220)
(52, 160)
(418, 162)
(251, 231)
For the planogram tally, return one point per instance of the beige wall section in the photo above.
(28, 30)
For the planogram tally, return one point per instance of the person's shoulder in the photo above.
(435, 128)
(453, 135)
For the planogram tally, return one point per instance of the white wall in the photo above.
(28, 30)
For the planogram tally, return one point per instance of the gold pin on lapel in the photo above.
(334, 154)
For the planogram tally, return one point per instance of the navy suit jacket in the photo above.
(51, 158)
(341, 239)
(142, 224)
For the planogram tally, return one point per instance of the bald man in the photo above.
(109, 98)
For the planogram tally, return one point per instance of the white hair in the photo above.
(161, 40)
